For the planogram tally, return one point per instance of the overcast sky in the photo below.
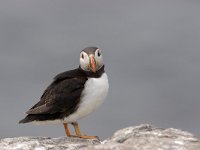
(151, 52)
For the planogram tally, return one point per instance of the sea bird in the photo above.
(73, 94)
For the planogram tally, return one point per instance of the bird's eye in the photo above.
(99, 54)
(82, 56)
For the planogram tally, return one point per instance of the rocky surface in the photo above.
(147, 137)
(143, 137)
(45, 143)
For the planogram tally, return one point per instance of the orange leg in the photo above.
(78, 132)
(67, 131)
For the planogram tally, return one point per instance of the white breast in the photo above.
(92, 97)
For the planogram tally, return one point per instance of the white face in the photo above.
(91, 62)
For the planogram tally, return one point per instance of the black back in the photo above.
(62, 96)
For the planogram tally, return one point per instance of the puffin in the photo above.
(73, 94)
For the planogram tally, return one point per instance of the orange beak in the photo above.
(92, 63)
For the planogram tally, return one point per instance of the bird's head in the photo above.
(91, 59)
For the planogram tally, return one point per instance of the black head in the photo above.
(91, 59)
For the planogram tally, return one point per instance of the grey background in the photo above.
(151, 50)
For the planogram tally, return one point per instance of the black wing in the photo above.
(62, 95)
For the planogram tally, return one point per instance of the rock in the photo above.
(45, 143)
(143, 137)
(147, 137)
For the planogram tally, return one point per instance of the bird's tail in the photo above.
(26, 119)
(40, 117)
